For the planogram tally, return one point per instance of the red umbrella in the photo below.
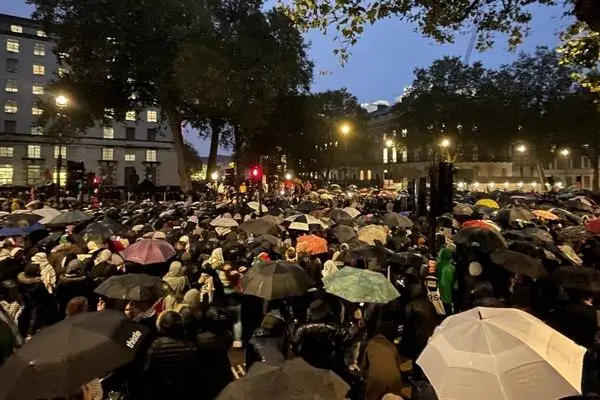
(593, 226)
(149, 251)
(478, 223)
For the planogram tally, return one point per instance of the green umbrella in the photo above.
(360, 286)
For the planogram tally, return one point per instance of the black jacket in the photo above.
(215, 366)
(40, 306)
(171, 370)
(264, 347)
(70, 287)
(322, 345)
(421, 321)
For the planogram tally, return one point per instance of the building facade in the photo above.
(120, 153)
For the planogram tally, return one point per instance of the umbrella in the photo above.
(486, 239)
(18, 231)
(71, 217)
(360, 286)
(543, 214)
(483, 224)
(337, 214)
(32, 203)
(224, 222)
(21, 220)
(353, 212)
(308, 206)
(566, 215)
(462, 209)
(488, 203)
(540, 235)
(303, 222)
(501, 354)
(371, 233)
(294, 379)
(343, 233)
(407, 259)
(258, 227)
(574, 234)
(380, 253)
(271, 239)
(575, 277)
(518, 263)
(62, 357)
(311, 244)
(511, 214)
(149, 251)
(103, 229)
(254, 206)
(275, 280)
(47, 214)
(133, 287)
(593, 226)
(396, 220)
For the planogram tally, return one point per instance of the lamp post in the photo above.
(521, 149)
(345, 130)
(389, 144)
(565, 153)
(61, 102)
(433, 191)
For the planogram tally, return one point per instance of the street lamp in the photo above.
(61, 102)
(389, 144)
(288, 176)
(565, 153)
(345, 129)
(214, 176)
(521, 149)
(445, 143)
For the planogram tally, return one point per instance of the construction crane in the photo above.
(471, 46)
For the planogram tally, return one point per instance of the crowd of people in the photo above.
(330, 294)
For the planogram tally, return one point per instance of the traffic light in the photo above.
(75, 176)
(256, 173)
(229, 177)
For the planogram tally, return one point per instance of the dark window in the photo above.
(10, 126)
(12, 65)
(130, 133)
(151, 174)
(131, 176)
(152, 134)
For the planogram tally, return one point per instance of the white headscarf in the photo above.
(329, 268)
(47, 272)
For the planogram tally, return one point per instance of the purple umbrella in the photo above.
(149, 251)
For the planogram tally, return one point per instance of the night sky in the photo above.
(383, 61)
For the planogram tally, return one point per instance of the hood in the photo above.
(175, 270)
(216, 258)
(445, 256)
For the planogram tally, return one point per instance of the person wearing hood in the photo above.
(269, 342)
(103, 268)
(329, 268)
(291, 255)
(12, 264)
(73, 283)
(446, 276)
(40, 308)
(178, 285)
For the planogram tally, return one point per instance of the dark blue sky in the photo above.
(383, 61)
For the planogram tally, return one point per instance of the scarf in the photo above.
(176, 279)
(208, 287)
(47, 272)
(14, 310)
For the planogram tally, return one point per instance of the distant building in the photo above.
(117, 152)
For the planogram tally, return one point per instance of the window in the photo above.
(10, 107)
(585, 162)
(362, 175)
(12, 45)
(11, 85)
(6, 152)
(475, 154)
(130, 116)
(109, 113)
(151, 134)
(152, 116)
(130, 133)
(39, 69)
(151, 155)
(33, 174)
(40, 33)
(34, 151)
(108, 154)
(108, 132)
(10, 126)
(36, 130)
(60, 151)
(6, 174)
(129, 156)
(39, 49)
(16, 28)
(587, 182)
(37, 88)
(62, 176)
(385, 155)
(12, 65)
(36, 111)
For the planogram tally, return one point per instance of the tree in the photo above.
(192, 159)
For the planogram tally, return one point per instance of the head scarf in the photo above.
(192, 298)
(176, 279)
(329, 268)
(216, 259)
(47, 272)
(103, 256)
(208, 287)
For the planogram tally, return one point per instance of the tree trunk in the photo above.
(211, 166)
(595, 167)
(184, 179)
(237, 152)
(541, 174)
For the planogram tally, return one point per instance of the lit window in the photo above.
(16, 28)
(12, 45)
(36, 111)
(152, 116)
(6, 152)
(129, 156)
(11, 85)
(109, 113)
(151, 155)
(108, 154)
(10, 107)
(60, 151)
(130, 116)
(62, 177)
(108, 132)
(34, 151)
(37, 89)
(6, 174)
(40, 33)
(39, 69)
(33, 174)
(39, 49)
(36, 130)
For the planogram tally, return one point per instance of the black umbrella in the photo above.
(406, 259)
(512, 214)
(72, 217)
(343, 233)
(485, 238)
(338, 214)
(275, 280)
(518, 263)
(308, 206)
(134, 287)
(21, 219)
(396, 220)
(271, 239)
(366, 253)
(258, 227)
(574, 277)
(65, 356)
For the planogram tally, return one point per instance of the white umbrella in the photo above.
(254, 206)
(353, 212)
(32, 203)
(224, 222)
(47, 214)
(501, 354)
(370, 233)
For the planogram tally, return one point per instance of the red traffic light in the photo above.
(96, 180)
(256, 173)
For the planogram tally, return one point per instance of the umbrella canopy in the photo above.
(272, 219)
(103, 229)
(224, 222)
(133, 287)
(380, 253)
(593, 226)
(25, 230)
(486, 239)
(547, 215)
(21, 220)
(566, 215)
(483, 224)
(396, 220)
(501, 354)
(71, 217)
(371, 233)
(47, 214)
(337, 214)
(488, 203)
(353, 212)
(343, 233)
(149, 251)
(360, 286)
(294, 379)
(275, 280)
(575, 277)
(518, 263)
(512, 214)
(461, 209)
(64, 356)
(253, 205)
(311, 244)
(259, 227)
(303, 222)
(407, 259)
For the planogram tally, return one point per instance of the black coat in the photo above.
(40, 306)
(70, 287)
(264, 347)
(171, 370)
(421, 321)
(215, 366)
(322, 345)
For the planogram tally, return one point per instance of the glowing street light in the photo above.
(62, 101)
(565, 152)
(214, 176)
(288, 176)
(445, 143)
(521, 149)
(345, 129)
(389, 143)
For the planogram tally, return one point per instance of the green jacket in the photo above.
(446, 275)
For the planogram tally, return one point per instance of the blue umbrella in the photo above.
(21, 230)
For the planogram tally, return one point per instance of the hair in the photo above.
(77, 305)
(170, 323)
(216, 320)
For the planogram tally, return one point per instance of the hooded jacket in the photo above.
(446, 275)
